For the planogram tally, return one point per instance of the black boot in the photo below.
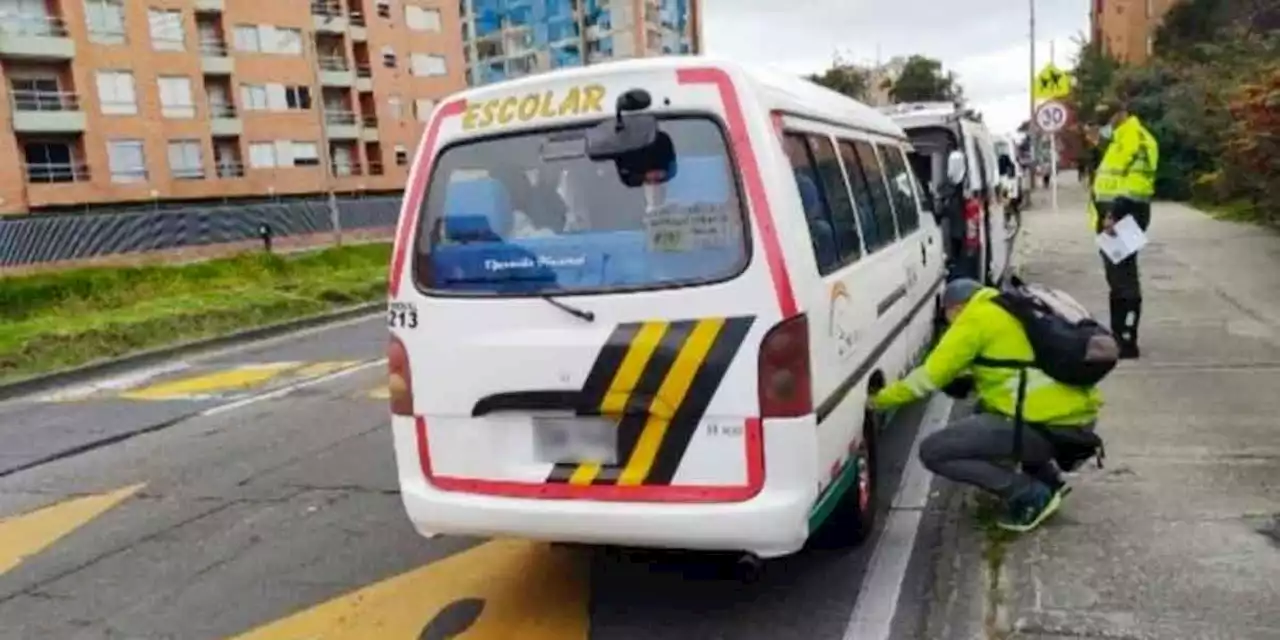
(1125, 315)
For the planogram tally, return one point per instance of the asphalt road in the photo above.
(254, 492)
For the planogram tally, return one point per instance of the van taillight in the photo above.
(972, 224)
(784, 383)
(399, 381)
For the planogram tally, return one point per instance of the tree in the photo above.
(922, 80)
(844, 77)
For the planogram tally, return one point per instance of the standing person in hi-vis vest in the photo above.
(1123, 185)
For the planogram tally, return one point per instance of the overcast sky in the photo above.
(986, 42)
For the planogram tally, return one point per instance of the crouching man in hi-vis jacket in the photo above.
(979, 449)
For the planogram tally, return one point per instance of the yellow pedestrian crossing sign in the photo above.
(1052, 83)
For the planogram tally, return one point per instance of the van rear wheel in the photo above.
(854, 516)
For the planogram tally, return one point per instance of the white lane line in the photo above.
(286, 390)
(872, 617)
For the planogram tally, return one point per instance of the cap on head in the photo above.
(958, 291)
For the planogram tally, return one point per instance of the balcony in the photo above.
(370, 131)
(376, 169)
(364, 77)
(229, 169)
(34, 37)
(56, 172)
(359, 28)
(36, 111)
(224, 121)
(346, 169)
(326, 16)
(341, 124)
(215, 60)
(335, 71)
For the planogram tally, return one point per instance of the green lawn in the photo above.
(61, 319)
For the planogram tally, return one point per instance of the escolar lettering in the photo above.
(534, 106)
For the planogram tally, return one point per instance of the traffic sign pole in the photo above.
(1053, 163)
(1051, 117)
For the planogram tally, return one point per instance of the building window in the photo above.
(116, 93)
(246, 38)
(127, 161)
(422, 108)
(388, 57)
(262, 155)
(185, 161)
(175, 97)
(422, 19)
(253, 97)
(425, 65)
(305, 154)
(105, 21)
(49, 162)
(395, 105)
(287, 41)
(166, 30)
(297, 97)
(384, 8)
(402, 155)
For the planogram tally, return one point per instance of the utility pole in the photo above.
(1031, 86)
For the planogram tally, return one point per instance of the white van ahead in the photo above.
(958, 153)
(643, 303)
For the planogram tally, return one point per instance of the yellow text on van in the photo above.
(534, 106)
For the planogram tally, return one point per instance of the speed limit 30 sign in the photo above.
(1051, 116)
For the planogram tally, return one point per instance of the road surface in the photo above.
(253, 494)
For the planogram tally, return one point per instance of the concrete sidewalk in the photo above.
(1179, 535)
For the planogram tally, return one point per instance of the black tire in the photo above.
(854, 516)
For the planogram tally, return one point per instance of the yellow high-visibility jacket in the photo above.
(1128, 168)
(983, 329)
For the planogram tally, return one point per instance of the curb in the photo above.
(100, 368)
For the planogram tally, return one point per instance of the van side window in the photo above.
(843, 218)
(874, 232)
(901, 189)
(879, 192)
(816, 213)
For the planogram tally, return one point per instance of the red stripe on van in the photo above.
(749, 165)
(415, 191)
(754, 446)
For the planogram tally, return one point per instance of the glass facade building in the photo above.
(505, 39)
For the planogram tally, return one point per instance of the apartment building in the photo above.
(1127, 28)
(106, 102)
(505, 39)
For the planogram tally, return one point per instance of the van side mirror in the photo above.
(957, 167)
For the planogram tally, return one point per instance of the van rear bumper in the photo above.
(773, 523)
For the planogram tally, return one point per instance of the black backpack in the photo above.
(1070, 346)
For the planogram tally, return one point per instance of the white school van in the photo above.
(643, 303)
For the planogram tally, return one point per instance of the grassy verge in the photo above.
(62, 319)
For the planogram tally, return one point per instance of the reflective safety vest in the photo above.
(1128, 169)
(983, 329)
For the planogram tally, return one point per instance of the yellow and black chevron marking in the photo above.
(658, 378)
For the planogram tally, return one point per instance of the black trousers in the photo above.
(1122, 277)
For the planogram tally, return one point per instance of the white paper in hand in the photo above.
(1128, 240)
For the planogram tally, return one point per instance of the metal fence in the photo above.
(75, 236)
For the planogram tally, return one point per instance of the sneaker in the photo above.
(1031, 508)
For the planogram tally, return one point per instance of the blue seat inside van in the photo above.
(481, 256)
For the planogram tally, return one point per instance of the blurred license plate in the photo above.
(575, 440)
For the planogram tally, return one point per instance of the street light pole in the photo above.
(1031, 86)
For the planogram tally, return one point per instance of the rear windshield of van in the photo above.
(531, 214)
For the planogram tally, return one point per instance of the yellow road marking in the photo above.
(585, 473)
(381, 393)
(670, 395)
(319, 369)
(529, 591)
(27, 534)
(235, 379)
